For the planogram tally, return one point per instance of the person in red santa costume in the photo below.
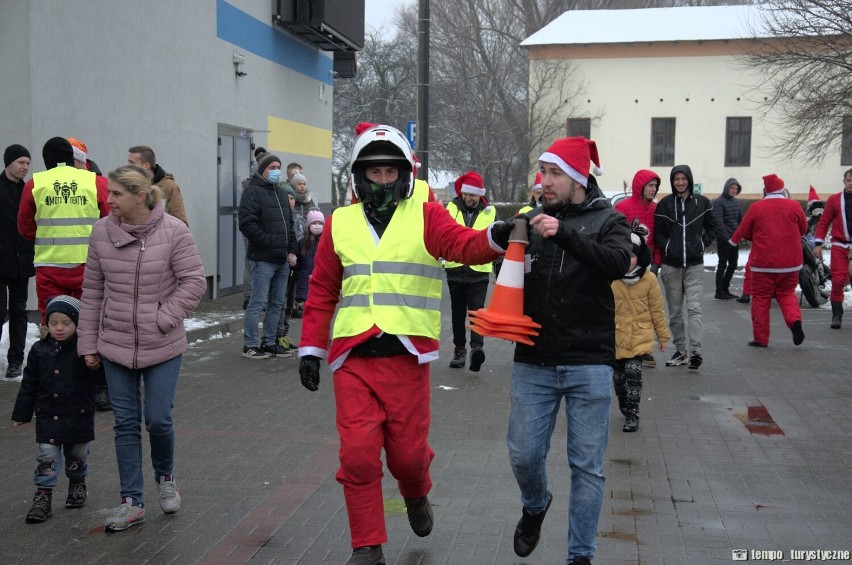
(775, 226)
(377, 263)
(838, 215)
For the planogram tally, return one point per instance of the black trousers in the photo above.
(728, 256)
(464, 297)
(13, 304)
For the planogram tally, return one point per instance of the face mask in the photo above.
(316, 229)
(274, 176)
(382, 195)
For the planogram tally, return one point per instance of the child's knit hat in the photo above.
(65, 304)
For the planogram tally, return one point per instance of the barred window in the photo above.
(580, 127)
(738, 142)
(846, 142)
(662, 141)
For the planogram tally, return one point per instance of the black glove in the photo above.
(309, 366)
(500, 232)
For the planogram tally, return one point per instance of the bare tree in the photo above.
(803, 51)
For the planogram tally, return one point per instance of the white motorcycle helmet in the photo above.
(381, 146)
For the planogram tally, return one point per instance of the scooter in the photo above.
(815, 276)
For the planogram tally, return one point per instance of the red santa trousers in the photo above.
(382, 402)
(765, 287)
(839, 271)
(53, 281)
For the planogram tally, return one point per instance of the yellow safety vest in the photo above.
(484, 219)
(525, 209)
(391, 282)
(421, 190)
(66, 201)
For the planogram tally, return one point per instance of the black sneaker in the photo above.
(419, 515)
(275, 350)
(40, 510)
(695, 361)
(631, 424)
(459, 358)
(678, 359)
(13, 371)
(528, 531)
(371, 555)
(477, 358)
(76, 494)
(580, 560)
(254, 353)
(744, 299)
(649, 361)
(722, 295)
(756, 344)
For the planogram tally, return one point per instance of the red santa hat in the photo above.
(362, 127)
(470, 183)
(572, 155)
(772, 183)
(536, 182)
(812, 195)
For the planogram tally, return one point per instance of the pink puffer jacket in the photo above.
(141, 281)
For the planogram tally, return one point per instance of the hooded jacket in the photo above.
(637, 207)
(727, 210)
(173, 199)
(266, 221)
(684, 227)
(568, 289)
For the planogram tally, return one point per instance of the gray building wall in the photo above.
(116, 73)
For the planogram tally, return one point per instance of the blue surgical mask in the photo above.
(274, 176)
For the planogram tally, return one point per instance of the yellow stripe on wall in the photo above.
(292, 137)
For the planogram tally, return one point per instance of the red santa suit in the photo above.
(637, 207)
(775, 226)
(835, 215)
(382, 401)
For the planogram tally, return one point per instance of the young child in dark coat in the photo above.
(307, 252)
(60, 390)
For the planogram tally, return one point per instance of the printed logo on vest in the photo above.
(65, 194)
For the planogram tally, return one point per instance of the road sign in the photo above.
(411, 132)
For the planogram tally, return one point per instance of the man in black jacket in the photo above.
(16, 257)
(267, 224)
(684, 226)
(728, 214)
(578, 246)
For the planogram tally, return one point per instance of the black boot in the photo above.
(102, 402)
(744, 298)
(459, 358)
(419, 515)
(528, 532)
(631, 424)
(370, 555)
(76, 494)
(477, 358)
(40, 510)
(836, 314)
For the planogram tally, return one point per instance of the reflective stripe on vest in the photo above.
(391, 282)
(66, 202)
(484, 219)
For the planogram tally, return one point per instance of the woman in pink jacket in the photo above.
(143, 277)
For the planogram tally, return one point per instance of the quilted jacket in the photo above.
(141, 281)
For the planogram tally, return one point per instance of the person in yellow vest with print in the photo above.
(535, 196)
(58, 208)
(377, 264)
(468, 284)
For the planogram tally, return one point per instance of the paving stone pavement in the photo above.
(257, 454)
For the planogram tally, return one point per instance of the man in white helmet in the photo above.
(377, 263)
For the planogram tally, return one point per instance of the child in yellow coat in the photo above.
(639, 314)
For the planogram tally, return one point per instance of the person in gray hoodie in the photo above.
(728, 214)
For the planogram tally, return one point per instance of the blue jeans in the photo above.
(536, 392)
(50, 459)
(268, 284)
(125, 394)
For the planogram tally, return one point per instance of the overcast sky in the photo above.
(379, 13)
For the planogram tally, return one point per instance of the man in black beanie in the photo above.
(68, 202)
(16, 257)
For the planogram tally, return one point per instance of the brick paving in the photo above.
(257, 453)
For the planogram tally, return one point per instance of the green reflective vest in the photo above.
(484, 219)
(391, 282)
(66, 202)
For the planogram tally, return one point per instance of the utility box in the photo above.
(330, 25)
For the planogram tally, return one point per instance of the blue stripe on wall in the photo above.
(262, 39)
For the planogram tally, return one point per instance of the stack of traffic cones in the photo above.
(504, 315)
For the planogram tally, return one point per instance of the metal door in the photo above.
(234, 163)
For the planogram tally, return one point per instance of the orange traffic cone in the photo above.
(504, 315)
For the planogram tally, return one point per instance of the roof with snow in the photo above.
(687, 23)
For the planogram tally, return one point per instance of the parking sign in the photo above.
(411, 132)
